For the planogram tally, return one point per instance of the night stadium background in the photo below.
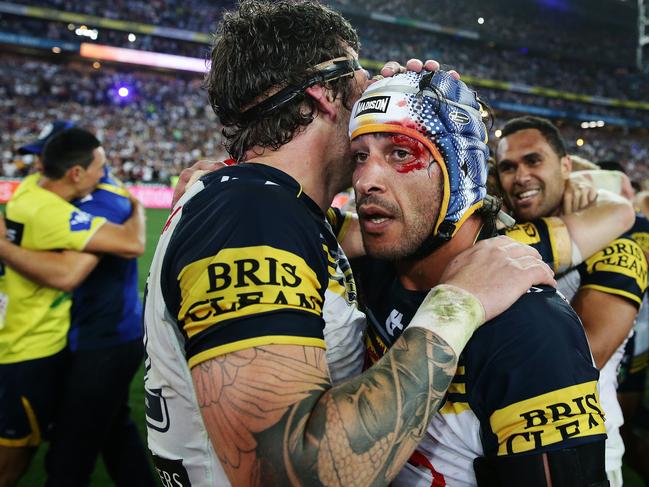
(131, 71)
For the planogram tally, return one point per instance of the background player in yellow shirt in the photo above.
(41, 217)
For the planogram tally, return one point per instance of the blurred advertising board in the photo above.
(150, 195)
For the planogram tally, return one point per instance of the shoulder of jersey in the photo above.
(231, 180)
(534, 306)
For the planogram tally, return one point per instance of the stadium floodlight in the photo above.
(83, 31)
(123, 92)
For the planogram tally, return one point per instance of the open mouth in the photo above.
(374, 218)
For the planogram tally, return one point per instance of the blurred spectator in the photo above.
(164, 124)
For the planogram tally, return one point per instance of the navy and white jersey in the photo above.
(106, 307)
(525, 381)
(619, 269)
(246, 259)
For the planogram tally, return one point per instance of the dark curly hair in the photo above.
(265, 46)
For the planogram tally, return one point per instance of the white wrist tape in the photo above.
(451, 313)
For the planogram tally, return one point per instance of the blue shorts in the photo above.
(28, 399)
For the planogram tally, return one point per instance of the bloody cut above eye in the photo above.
(416, 149)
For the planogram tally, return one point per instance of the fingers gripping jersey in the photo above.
(246, 259)
(525, 382)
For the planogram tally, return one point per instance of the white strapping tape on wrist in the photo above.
(451, 313)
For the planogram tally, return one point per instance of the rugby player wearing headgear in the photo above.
(40, 216)
(607, 289)
(244, 296)
(522, 408)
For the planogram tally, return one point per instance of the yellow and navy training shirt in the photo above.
(38, 317)
(248, 264)
(525, 381)
(620, 269)
(640, 232)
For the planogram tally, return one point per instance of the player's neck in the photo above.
(59, 187)
(425, 273)
(308, 159)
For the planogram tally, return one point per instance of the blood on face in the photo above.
(420, 156)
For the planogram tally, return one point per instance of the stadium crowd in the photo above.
(169, 122)
(572, 31)
(414, 337)
(549, 26)
(383, 41)
(166, 114)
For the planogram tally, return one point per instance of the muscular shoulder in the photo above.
(533, 309)
(31, 201)
(248, 261)
(523, 365)
(242, 207)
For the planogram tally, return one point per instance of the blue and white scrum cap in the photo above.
(446, 116)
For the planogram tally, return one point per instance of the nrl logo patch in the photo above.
(459, 117)
(374, 104)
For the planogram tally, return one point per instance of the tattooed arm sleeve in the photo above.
(274, 418)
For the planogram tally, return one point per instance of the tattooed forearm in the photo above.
(375, 421)
(274, 418)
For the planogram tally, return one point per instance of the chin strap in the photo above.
(444, 233)
(491, 205)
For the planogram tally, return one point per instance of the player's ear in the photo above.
(324, 100)
(566, 166)
(75, 173)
